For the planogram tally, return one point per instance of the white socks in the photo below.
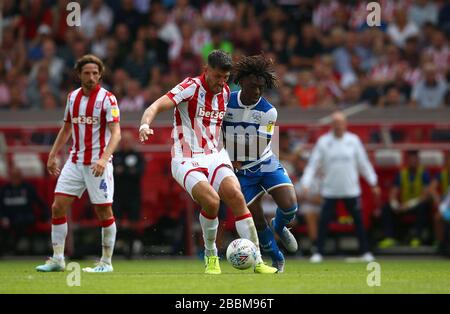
(109, 231)
(209, 228)
(246, 229)
(59, 233)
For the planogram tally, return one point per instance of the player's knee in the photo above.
(211, 204)
(234, 194)
(58, 210)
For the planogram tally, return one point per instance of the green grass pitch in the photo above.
(184, 276)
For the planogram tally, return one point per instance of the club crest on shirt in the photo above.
(98, 104)
(256, 116)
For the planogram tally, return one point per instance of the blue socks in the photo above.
(283, 217)
(269, 245)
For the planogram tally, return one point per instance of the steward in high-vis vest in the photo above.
(411, 195)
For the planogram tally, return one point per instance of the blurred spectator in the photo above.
(169, 32)
(138, 65)
(306, 90)
(33, 15)
(99, 43)
(429, 92)
(401, 29)
(307, 48)
(17, 211)
(423, 11)
(439, 51)
(42, 79)
(157, 49)
(12, 50)
(10, 13)
(247, 38)
(219, 13)
(127, 14)
(55, 64)
(187, 64)
(183, 12)
(217, 42)
(60, 27)
(411, 194)
(128, 169)
(323, 15)
(94, 14)
(134, 100)
(392, 97)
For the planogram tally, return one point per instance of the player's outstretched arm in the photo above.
(62, 138)
(163, 103)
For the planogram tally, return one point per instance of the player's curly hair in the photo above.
(258, 65)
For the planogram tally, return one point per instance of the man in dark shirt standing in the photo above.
(128, 169)
(17, 211)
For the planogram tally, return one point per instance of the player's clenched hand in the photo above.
(145, 132)
(52, 166)
(98, 168)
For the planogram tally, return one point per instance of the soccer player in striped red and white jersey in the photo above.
(92, 120)
(198, 164)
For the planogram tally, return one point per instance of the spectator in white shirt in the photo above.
(429, 92)
(341, 157)
(401, 29)
(96, 13)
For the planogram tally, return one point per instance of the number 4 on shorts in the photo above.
(103, 185)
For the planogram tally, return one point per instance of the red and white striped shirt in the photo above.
(89, 115)
(198, 117)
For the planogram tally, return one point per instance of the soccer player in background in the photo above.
(198, 164)
(248, 127)
(92, 118)
(341, 157)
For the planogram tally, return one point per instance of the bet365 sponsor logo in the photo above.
(213, 114)
(85, 120)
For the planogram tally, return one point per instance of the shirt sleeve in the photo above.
(267, 125)
(364, 165)
(183, 91)
(112, 109)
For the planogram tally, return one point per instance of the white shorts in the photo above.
(75, 178)
(212, 168)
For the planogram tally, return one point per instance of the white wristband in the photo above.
(144, 126)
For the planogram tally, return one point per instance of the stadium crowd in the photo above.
(325, 53)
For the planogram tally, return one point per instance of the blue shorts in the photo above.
(255, 181)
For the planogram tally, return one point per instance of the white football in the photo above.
(241, 253)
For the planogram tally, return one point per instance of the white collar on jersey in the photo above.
(244, 106)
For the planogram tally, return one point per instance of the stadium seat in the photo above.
(29, 163)
(388, 158)
(431, 158)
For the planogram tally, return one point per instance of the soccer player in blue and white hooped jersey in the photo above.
(248, 128)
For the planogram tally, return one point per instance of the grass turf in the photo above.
(185, 276)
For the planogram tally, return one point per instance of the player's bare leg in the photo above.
(109, 230)
(285, 198)
(230, 193)
(204, 194)
(61, 205)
